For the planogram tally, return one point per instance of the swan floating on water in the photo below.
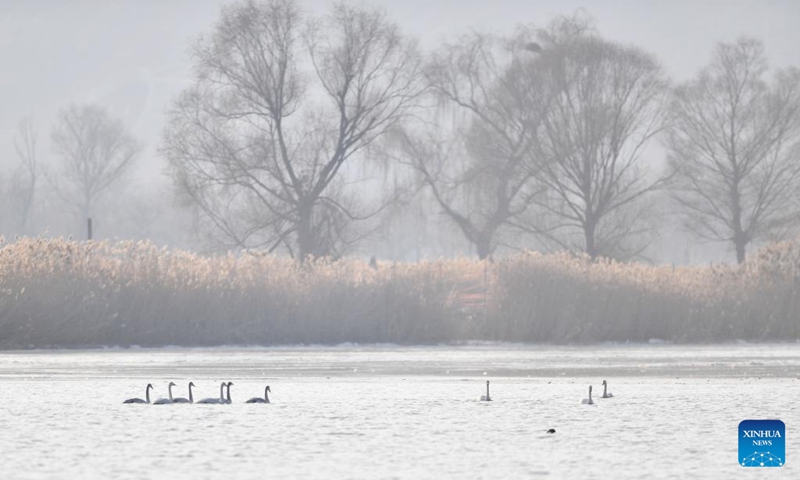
(139, 400)
(588, 401)
(215, 400)
(185, 400)
(166, 401)
(552, 430)
(228, 400)
(605, 391)
(486, 398)
(259, 399)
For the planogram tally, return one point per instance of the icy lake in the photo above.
(396, 412)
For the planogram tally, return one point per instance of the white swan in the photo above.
(259, 399)
(605, 391)
(139, 400)
(227, 400)
(215, 400)
(588, 401)
(185, 400)
(166, 401)
(486, 398)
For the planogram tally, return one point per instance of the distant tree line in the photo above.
(538, 136)
(84, 172)
(306, 134)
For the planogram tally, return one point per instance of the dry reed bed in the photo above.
(55, 292)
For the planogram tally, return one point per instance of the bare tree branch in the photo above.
(25, 176)
(95, 151)
(479, 170)
(273, 139)
(606, 102)
(734, 148)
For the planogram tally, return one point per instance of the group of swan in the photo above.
(606, 394)
(223, 397)
(585, 401)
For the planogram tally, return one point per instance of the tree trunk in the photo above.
(305, 237)
(484, 246)
(589, 234)
(739, 238)
(86, 216)
(741, 244)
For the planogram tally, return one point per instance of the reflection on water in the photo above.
(394, 412)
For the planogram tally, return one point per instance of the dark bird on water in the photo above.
(552, 430)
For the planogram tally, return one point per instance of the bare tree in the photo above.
(262, 142)
(95, 150)
(735, 148)
(24, 178)
(479, 166)
(604, 103)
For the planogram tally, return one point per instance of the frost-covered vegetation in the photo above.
(65, 293)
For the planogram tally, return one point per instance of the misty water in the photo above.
(395, 412)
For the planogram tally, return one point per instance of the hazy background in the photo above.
(132, 57)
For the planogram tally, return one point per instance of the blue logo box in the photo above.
(762, 443)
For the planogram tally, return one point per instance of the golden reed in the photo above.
(55, 292)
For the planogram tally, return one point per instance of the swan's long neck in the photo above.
(266, 395)
(487, 391)
(170, 392)
(191, 398)
(590, 394)
(229, 393)
(222, 391)
(605, 389)
(147, 393)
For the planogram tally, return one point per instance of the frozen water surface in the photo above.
(396, 412)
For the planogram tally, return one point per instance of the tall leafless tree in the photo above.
(478, 165)
(263, 141)
(95, 151)
(23, 180)
(604, 103)
(735, 148)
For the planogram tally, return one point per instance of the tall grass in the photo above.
(55, 292)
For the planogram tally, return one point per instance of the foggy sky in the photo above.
(132, 55)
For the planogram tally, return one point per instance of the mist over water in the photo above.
(392, 412)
